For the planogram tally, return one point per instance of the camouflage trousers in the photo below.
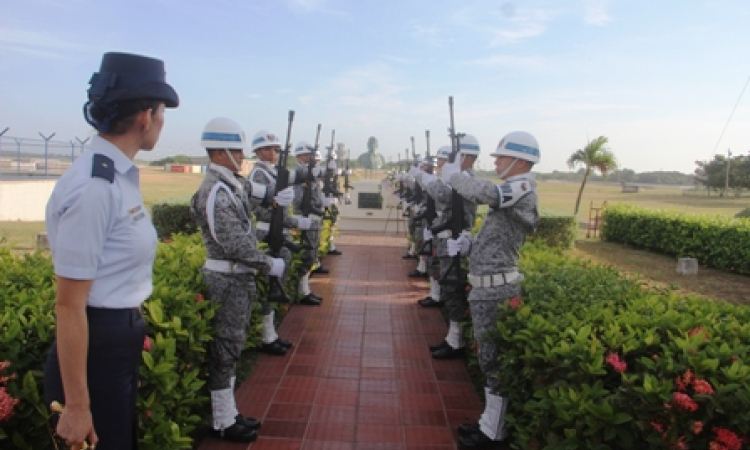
(484, 317)
(309, 256)
(234, 293)
(454, 297)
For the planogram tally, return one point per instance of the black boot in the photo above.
(440, 346)
(274, 348)
(408, 256)
(467, 429)
(321, 269)
(238, 432)
(334, 252)
(416, 273)
(250, 422)
(429, 302)
(448, 352)
(309, 300)
(284, 343)
(479, 441)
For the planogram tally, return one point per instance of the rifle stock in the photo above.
(307, 192)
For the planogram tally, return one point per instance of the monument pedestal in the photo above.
(374, 207)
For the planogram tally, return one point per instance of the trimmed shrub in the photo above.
(173, 218)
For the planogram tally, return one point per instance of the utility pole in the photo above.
(726, 181)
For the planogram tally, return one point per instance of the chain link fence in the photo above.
(25, 157)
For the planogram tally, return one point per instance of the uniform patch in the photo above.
(103, 167)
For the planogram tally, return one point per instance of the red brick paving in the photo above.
(360, 376)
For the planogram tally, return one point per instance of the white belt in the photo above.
(498, 279)
(263, 226)
(445, 234)
(223, 266)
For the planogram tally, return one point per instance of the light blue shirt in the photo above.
(102, 231)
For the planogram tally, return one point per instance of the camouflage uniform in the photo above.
(453, 296)
(229, 238)
(495, 250)
(265, 173)
(309, 256)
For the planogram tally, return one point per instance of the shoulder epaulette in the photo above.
(103, 167)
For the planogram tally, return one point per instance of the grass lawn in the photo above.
(559, 197)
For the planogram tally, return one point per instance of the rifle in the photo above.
(347, 185)
(275, 238)
(329, 188)
(307, 207)
(453, 275)
(407, 190)
(430, 212)
(417, 197)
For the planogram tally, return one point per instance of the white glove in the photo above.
(332, 164)
(285, 197)
(450, 169)
(348, 172)
(327, 201)
(427, 235)
(461, 245)
(407, 205)
(317, 171)
(428, 178)
(277, 269)
(339, 172)
(304, 223)
(347, 198)
(414, 171)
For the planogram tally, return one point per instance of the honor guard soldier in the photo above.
(493, 264)
(453, 295)
(441, 205)
(266, 147)
(304, 151)
(222, 210)
(103, 245)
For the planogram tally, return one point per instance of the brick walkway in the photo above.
(360, 376)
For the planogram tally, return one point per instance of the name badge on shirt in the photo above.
(137, 213)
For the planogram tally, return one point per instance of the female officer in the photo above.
(103, 245)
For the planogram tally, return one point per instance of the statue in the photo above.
(372, 159)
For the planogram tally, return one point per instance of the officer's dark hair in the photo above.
(118, 116)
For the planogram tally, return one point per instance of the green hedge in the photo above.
(554, 229)
(173, 218)
(591, 360)
(718, 242)
(173, 402)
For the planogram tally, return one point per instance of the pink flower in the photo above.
(515, 303)
(699, 330)
(702, 387)
(697, 427)
(199, 297)
(147, 343)
(727, 438)
(680, 444)
(683, 401)
(617, 364)
(7, 403)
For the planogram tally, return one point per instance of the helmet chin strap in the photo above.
(508, 169)
(237, 168)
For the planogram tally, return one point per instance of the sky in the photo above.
(663, 80)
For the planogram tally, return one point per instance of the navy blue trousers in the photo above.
(114, 358)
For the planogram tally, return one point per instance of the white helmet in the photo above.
(428, 161)
(469, 145)
(223, 133)
(443, 152)
(265, 138)
(518, 144)
(303, 148)
(318, 156)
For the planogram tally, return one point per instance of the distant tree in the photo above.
(595, 156)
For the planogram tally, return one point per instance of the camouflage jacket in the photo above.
(222, 210)
(442, 192)
(265, 173)
(299, 192)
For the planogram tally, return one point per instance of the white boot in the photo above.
(422, 265)
(434, 289)
(304, 285)
(411, 249)
(269, 332)
(455, 337)
(492, 422)
(331, 245)
(223, 408)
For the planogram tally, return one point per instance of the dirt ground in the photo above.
(661, 271)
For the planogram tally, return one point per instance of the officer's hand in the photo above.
(332, 165)
(461, 245)
(76, 426)
(427, 179)
(449, 169)
(427, 235)
(277, 269)
(285, 197)
(317, 172)
(304, 223)
(327, 201)
(414, 171)
(347, 199)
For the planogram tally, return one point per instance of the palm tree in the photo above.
(594, 156)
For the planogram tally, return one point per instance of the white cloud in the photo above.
(36, 43)
(595, 12)
(508, 61)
